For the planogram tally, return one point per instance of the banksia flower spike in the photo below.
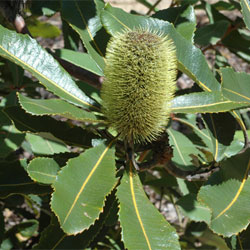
(139, 83)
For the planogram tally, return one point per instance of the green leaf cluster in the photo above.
(68, 181)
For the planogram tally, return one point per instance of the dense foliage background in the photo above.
(66, 181)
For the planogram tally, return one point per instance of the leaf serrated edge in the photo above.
(38, 158)
(60, 114)
(76, 30)
(206, 207)
(203, 202)
(224, 100)
(101, 210)
(99, 229)
(12, 56)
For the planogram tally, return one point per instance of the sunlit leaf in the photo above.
(143, 227)
(46, 144)
(191, 61)
(43, 170)
(28, 123)
(38, 28)
(60, 240)
(193, 209)
(86, 24)
(235, 86)
(182, 17)
(81, 187)
(183, 149)
(79, 59)
(204, 102)
(55, 107)
(230, 188)
(27, 53)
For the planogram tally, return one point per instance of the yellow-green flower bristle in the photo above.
(139, 84)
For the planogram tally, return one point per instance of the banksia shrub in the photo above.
(139, 83)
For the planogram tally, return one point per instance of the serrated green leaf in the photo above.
(245, 5)
(55, 107)
(27, 123)
(43, 170)
(221, 135)
(81, 241)
(182, 17)
(227, 193)
(204, 102)
(235, 146)
(143, 227)
(81, 187)
(211, 33)
(183, 149)
(86, 24)
(27, 53)
(190, 121)
(15, 180)
(80, 59)
(235, 86)
(46, 144)
(190, 59)
(193, 209)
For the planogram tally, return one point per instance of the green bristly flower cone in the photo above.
(139, 84)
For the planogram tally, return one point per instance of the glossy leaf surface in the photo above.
(46, 144)
(193, 209)
(235, 86)
(43, 170)
(190, 59)
(143, 227)
(55, 107)
(60, 240)
(183, 149)
(204, 102)
(183, 18)
(81, 187)
(41, 65)
(86, 24)
(79, 59)
(28, 123)
(230, 188)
